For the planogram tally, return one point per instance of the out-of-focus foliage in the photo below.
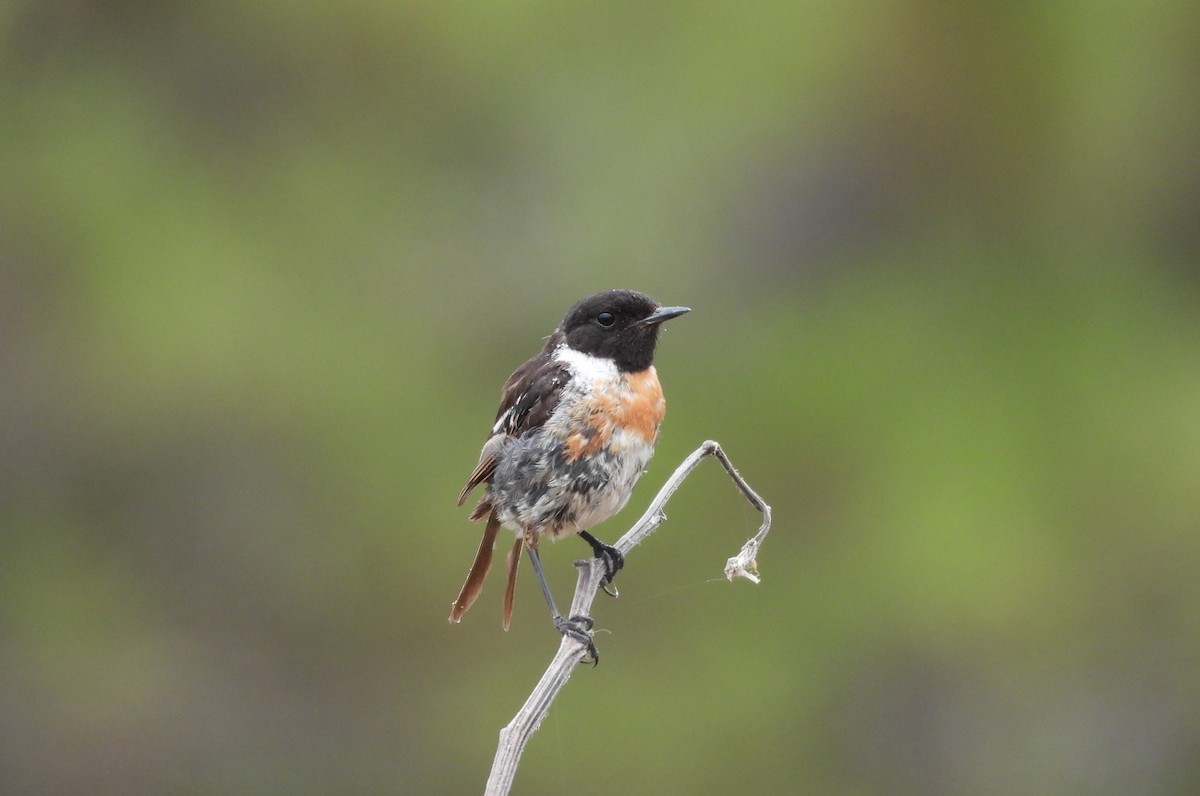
(263, 268)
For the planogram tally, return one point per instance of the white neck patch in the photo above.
(585, 366)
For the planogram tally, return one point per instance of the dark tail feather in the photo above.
(514, 561)
(479, 570)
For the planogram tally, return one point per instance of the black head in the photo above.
(621, 325)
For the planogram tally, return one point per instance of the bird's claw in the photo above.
(611, 557)
(579, 628)
(613, 561)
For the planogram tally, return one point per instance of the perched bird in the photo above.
(576, 428)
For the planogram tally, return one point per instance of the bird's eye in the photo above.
(606, 319)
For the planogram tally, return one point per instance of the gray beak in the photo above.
(663, 314)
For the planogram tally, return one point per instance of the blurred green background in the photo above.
(264, 267)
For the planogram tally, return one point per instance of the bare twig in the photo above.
(570, 652)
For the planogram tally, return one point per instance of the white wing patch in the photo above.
(504, 418)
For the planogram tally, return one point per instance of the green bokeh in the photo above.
(263, 268)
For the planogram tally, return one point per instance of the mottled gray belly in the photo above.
(537, 490)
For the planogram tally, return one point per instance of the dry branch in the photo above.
(570, 652)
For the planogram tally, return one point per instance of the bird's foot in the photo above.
(611, 557)
(580, 629)
(613, 561)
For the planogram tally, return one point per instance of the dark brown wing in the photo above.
(529, 398)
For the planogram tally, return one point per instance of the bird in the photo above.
(575, 430)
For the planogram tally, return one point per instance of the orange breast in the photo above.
(643, 406)
(634, 402)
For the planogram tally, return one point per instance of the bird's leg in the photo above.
(576, 627)
(610, 556)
